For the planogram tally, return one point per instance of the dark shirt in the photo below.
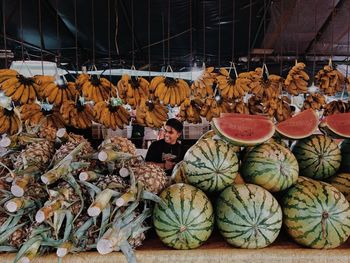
(157, 148)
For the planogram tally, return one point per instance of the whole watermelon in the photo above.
(271, 166)
(186, 219)
(211, 165)
(248, 216)
(316, 214)
(342, 183)
(345, 154)
(318, 157)
(178, 174)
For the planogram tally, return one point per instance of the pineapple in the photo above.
(47, 132)
(18, 237)
(112, 181)
(37, 154)
(68, 194)
(152, 176)
(3, 171)
(122, 144)
(137, 241)
(73, 141)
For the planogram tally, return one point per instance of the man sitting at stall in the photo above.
(168, 151)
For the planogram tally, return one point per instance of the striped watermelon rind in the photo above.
(316, 214)
(341, 181)
(178, 174)
(186, 219)
(318, 156)
(211, 165)
(271, 166)
(248, 216)
(345, 155)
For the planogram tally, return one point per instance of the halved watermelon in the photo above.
(243, 129)
(336, 126)
(299, 126)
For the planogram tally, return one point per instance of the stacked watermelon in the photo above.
(315, 213)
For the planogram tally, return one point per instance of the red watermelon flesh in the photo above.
(245, 116)
(243, 129)
(337, 125)
(299, 126)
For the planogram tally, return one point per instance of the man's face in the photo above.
(170, 135)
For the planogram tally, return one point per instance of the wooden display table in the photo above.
(214, 251)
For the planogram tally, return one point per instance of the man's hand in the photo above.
(168, 165)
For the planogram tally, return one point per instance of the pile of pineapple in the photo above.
(58, 194)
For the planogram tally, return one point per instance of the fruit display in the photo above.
(318, 157)
(77, 114)
(95, 88)
(264, 85)
(297, 79)
(111, 114)
(336, 125)
(316, 214)
(345, 156)
(248, 216)
(19, 88)
(10, 121)
(151, 114)
(185, 219)
(214, 107)
(330, 80)
(133, 89)
(242, 129)
(211, 165)
(300, 126)
(335, 107)
(271, 166)
(315, 101)
(190, 110)
(44, 114)
(202, 87)
(232, 87)
(171, 91)
(59, 91)
(341, 181)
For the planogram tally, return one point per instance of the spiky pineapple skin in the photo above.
(37, 153)
(70, 145)
(122, 144)
(152, 176)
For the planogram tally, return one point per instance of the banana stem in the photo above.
(16, 204)
(19, 185)
(100, 203)
(129, 196)
(48, 211)
(88, 176)
(64, 249)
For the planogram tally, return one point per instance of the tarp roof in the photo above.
(85, 32)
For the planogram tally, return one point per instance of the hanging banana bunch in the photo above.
(172, 91)
(314, 101)
(202, 87)
(19, 88)
(256, 106)
(264, 85)
(336, 106)
(10, 121)
(232, 88)
(240, 107)
(77, 114)
(44, 114)
(153, 85)
(133, 89)
(297, 80)
(151, 114)
(95, 88)
(213, 107)
(42, 80)
(279, 108)
(329, 80)
(111, 114)
(59, 91)
(190, 110)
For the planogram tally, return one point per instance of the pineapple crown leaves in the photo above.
(29, 247)
(5, 235)
(10, 222)
(7, 249)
